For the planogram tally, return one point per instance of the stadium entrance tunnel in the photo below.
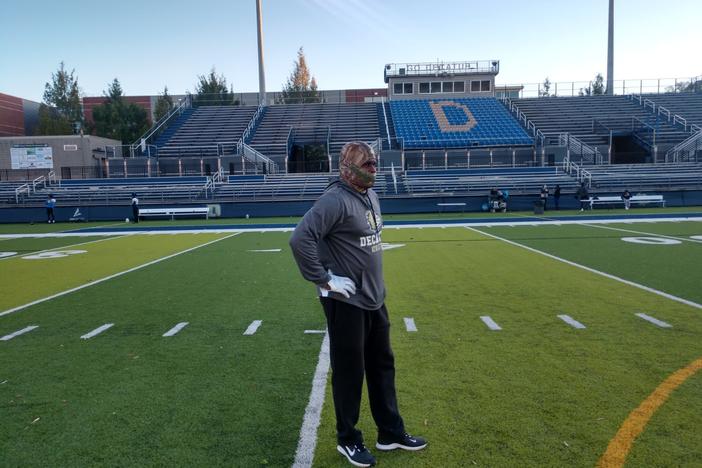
(630, 149)
(309, 157)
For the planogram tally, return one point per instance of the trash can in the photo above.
(538, 207)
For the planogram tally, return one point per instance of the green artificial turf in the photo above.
(537, 393)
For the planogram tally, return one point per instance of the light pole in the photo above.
(610, 51)
(261, 71)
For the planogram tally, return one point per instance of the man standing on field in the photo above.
(337, 246)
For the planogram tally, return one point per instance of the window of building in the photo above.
(423, 88)
(402, 88)
(458, 87)
(485, 85)
(475, 86)
(447, 86)
(436, 86)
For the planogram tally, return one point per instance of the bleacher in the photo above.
(575, 115)
(451, 127)
(480, 181)
(638, 177)
(283, 186)
(346, 122)
(115, 191)
(205, 131)
(686, 105)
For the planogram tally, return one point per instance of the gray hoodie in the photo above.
(341, 233)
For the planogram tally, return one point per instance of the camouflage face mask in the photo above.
(357, 165)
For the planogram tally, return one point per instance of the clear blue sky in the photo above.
(149, 44)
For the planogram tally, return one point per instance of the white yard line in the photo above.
(650, 234)
(592, 270)
(655, 321)
(571, 321)
(410, 325)
(63, 247)
(106, 278)
(313, 413)
(19, 332)
(253, 327)
(315, 332)
(491, 324)
(97, 331)
(176, 329)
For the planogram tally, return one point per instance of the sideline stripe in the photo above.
(635, 423)
(19, 332)
(654, 321)
(490, 323)
(592, 270)
(313, 332)
(644, 233)
(97, 331)
(106, 278)
(304, 455)
(63, 247)
(253, 327)
(409, 324)
(176, 329)
(571, 321)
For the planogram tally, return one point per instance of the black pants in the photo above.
(135, 213)
(360, 343)
(50, 215)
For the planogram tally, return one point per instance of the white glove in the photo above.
(341, 285)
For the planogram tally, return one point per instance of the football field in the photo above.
(531, 345)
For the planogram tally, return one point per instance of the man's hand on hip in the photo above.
(341, 285)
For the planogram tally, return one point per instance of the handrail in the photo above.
(51, 176)
(663, 110)
(680, 120)
(37, 181)
(574, 144)
(649, 103)
(385, 116)
(19, 190)
(694, 141)
(179, 109)
(394, 177)
(253, 122)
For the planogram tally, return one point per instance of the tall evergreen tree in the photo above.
(301, 85)
(598, 86)
(118, 119)
(61, 112)
(164, 104)
(212, 90)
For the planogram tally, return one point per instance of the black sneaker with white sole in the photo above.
(405, 442)
(357, 455)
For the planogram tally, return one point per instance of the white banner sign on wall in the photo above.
(32, 157)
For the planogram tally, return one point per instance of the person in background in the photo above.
(583, 195)
(544, 196)
(557, 197)
(135, 208)
(337, 246)
(626, 196)
(50, 204)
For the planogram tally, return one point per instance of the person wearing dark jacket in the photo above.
(626, 196)
(583, 195)
(557, 197)
(337, 246)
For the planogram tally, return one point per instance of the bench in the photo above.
(443, 205)
(173, 212)
(638, 199)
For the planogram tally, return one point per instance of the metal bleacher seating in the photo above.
(576, 116)
(345, 122)
(686, 105)
(205, 131)
(472, 181)
(638, 177)
(282, 186)
(417, 125)
(115, 191)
